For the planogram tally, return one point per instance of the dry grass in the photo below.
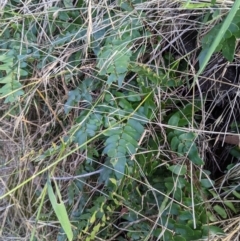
(38, 122)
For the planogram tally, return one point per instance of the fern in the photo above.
(120, 137)
(146, 74)
(11, 88)
(115, 55)
(114, 59)
(83, 92)
(183, 143)
(87, 127)
(122, 142)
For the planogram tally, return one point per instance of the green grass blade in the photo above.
(218, 38)
(43, 195)
(60, 210)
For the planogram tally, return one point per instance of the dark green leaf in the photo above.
(80, 137)
(111, 148)
(234, 29)
(203, 217)
(112, 78)
(202, 55)
(130, 149)
(183, 121)
(181, 182)
(235, 151)
(174, 209)
(74, 96)
(211, 217)
(236, 194)
(197, 235)
(121, 69)
(220, 211)
(184, 230)
(112, 139)
(11, 91)
(177, 194)
(228, 34)
(167, 235)
(185, 215)
(116, 130)
(133, 97)
(136, 125)
(193, 155)
(190, 136)
(125, 104)
(178, 169)
(211, 230)
(119, 165)
(230, 205)
(121, 79)
(228, 48)
(106, 173)
(131, 132)
(91, 128)
(169, 186)
(173, 121)
(120, 150)
(180, 149)
(179, 238)
(206, 183)
(126, 6)
(237, 33)
(236, 18)
(178, 132)
(68, 3)
(63, 15)
(129, 139)
(174, 143)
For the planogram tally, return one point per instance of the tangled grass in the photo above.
(52, 49)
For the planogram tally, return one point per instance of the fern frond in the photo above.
(122, 141)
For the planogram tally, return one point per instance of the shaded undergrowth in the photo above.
(105, 132)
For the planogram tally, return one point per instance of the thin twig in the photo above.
(78, 176)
